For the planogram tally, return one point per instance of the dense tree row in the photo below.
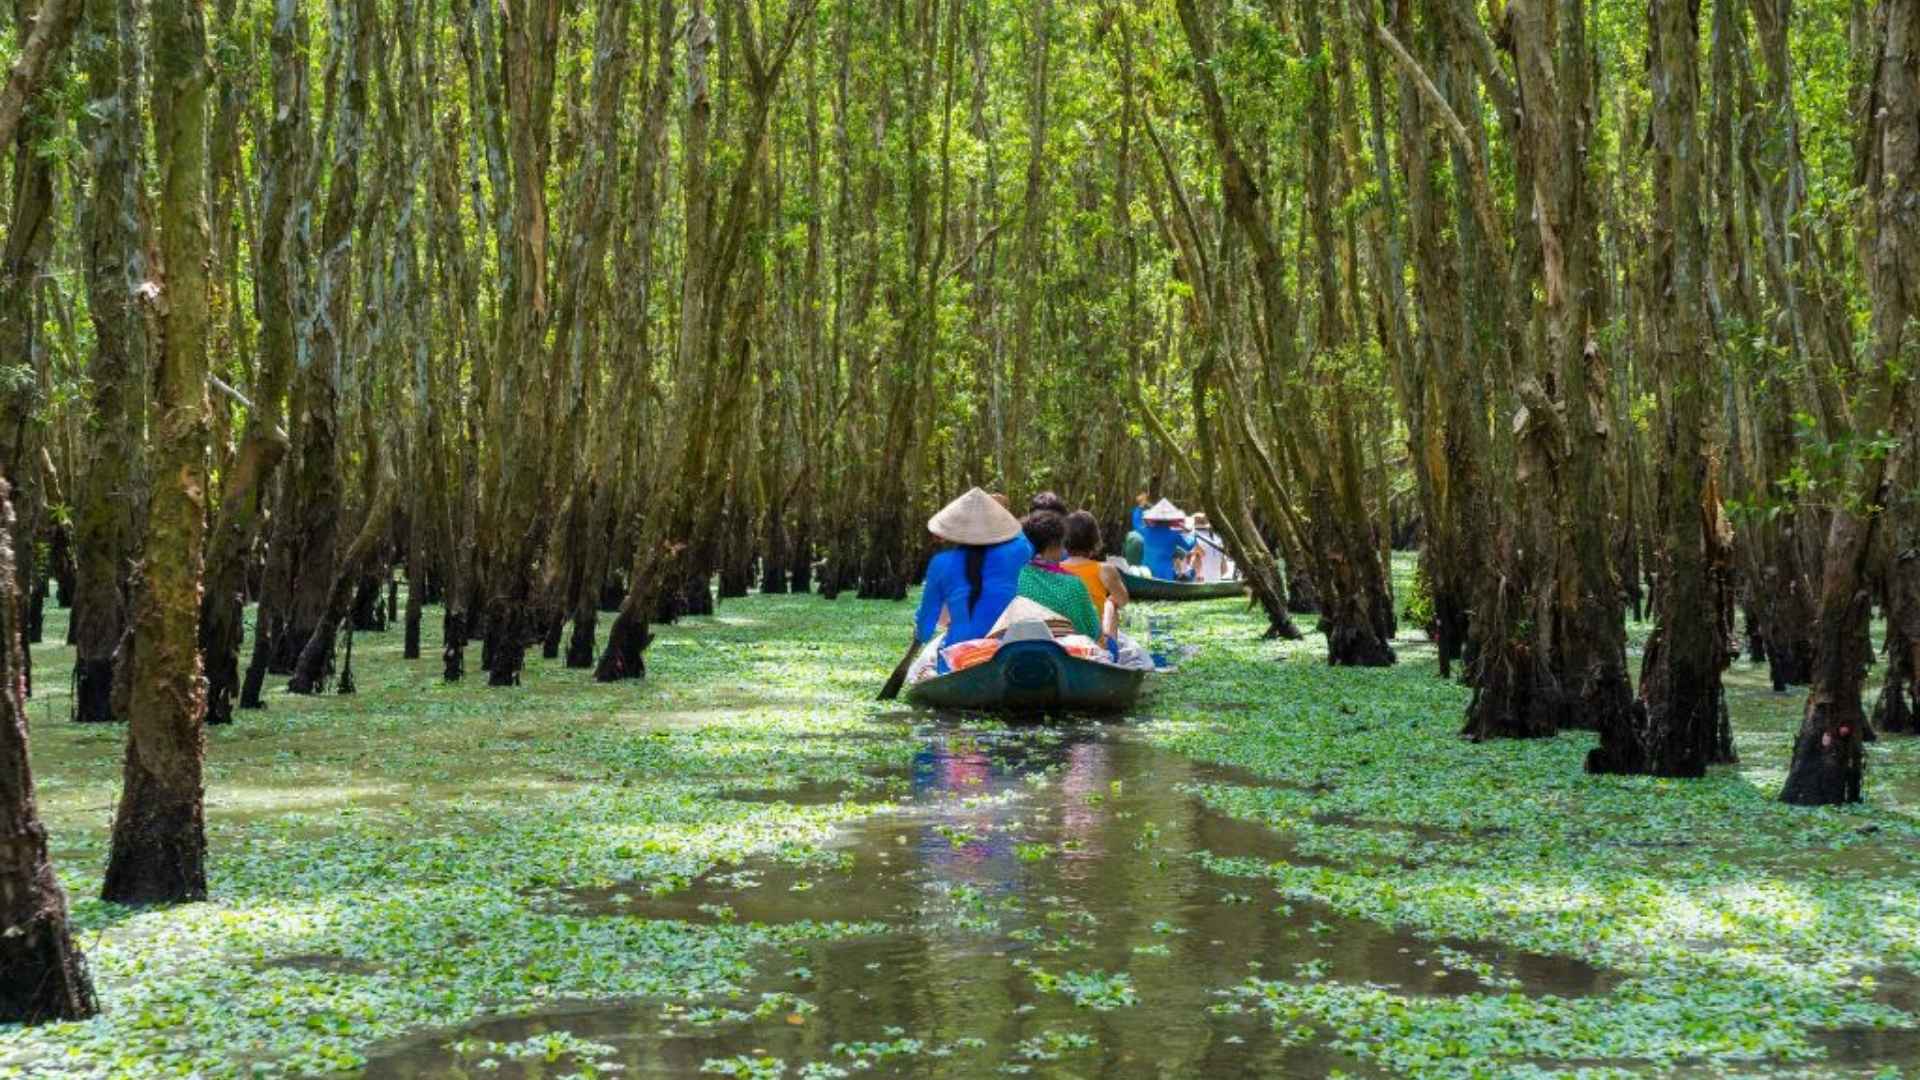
(563, 308)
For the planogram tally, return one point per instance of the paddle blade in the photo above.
(899, 676)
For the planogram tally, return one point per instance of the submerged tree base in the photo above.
(159, 853)
(625, 657)
(43, 977)
(1827, 763)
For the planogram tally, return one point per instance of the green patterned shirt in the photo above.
(1063, 593)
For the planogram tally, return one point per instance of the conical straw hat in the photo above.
(1164, 512)
(974, 518)
(1023, 611)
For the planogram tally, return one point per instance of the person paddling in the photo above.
(970, 583)
(1164, 539)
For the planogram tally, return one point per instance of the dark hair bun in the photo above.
(1044, 529)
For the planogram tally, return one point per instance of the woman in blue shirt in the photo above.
(1162, 540)
(969, 584)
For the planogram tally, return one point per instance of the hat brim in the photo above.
(974, 519)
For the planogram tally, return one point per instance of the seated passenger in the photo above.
(1044, 581)
(1047, 500)
(1104, 585)
(1163, 539)
(1215, 563)
(1186, 568)
(969, 584)
(1134, 547)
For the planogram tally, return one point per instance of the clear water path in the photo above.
(1035, 900)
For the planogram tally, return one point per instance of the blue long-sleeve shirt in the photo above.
(1162, 542)
(946, 587)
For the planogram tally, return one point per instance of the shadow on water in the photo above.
(1015, 874)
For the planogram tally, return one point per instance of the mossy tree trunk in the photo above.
(105, 525)
(523, 384)
(1827, 767)
(159, 836)
(1675, 727)
(316, 656)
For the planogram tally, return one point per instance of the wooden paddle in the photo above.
(899, 676)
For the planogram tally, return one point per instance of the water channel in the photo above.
(1038, 909)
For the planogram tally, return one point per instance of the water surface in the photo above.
(1036, 904)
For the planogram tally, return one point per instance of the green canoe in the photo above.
(1146, 588)
(1032, 676)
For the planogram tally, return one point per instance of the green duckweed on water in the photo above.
(744, 866)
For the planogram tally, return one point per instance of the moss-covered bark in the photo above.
(105, 518)
(159, 835)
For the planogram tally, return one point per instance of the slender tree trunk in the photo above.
(1900, 690)
(1016, 447)
(519, 428)
(44, 26)
(316, 656)
(230, 547)
(116, 260)
(248, 478)
(159, 835)
(1449, 445)
(313, 503)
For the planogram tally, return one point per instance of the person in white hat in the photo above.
(1163, 538)
(969, 584)
(1214, 563)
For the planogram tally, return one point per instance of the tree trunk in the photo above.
(223, 607)
(159, 835)
(44, 28)
(1827, 764)
(416, 584)
(316, 657)
(1449, 442)
(44, 34)
(1674, 728)
(1900, 692)
(800, 552)
(42, 974)
(313, 502)
(520, 424)
(116, 253)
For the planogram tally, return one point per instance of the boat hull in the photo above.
(1146, 588)
(1032, 677)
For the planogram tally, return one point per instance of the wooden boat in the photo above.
(1029, 677)
(1146, 588)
